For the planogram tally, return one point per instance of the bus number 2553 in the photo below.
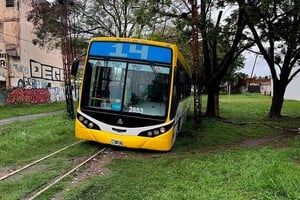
(136, 109)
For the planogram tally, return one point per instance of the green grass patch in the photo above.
(255, 108)
(215, 133)
(7, 110)
(21, 141)
(205, 163)
(190, 171)
(25, 142)
(249, 107)
(231, 174)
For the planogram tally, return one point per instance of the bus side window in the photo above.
(176, 94)
(181, 77)
(180, 83)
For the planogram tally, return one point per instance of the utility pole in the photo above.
(66, 54)
(196, 63)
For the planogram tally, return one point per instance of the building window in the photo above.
(10, 3)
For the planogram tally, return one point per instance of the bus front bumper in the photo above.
(161, 142)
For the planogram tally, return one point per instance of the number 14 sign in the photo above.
(131, 51)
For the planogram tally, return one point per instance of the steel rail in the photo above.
(39, 192)
(37, 161)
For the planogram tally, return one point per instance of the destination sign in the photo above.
(131, 51)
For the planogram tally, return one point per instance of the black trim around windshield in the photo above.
(109, 116)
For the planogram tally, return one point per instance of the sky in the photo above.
(261, 68)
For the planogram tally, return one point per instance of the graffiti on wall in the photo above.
(45, 72)
(32, 96)
(57, 93)
(3, 67)
(41, 75)
(38, 83)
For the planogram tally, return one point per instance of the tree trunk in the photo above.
(277, 100)
(212, 108)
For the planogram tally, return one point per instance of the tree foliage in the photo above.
(47, 26)
(163, 20)
(275, 29)
(88, 18)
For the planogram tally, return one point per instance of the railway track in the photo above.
(37, 161)
(53, 182)
(43, 189)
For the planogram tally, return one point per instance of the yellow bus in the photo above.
(134, 93)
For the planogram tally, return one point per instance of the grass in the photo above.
(24, 142)
(252, 107)
(34, 138)
(205, 163)
(232, 174)
(28, 109)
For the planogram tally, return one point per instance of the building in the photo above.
(256, 85)
(24, 66)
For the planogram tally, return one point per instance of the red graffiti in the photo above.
(32, 96)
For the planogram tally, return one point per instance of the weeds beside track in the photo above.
(43, 189)
(53, 181)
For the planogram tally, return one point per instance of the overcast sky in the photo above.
(260, 68)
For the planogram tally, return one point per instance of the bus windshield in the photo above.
(127, 87)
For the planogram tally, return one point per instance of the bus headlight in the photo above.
(149, 133)
(87, 123)
(91, 125)
(162, 129)
(80, 118)
(156, 132)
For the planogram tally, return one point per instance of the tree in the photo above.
(276, 32)
(222, 45)
(103, 17)
(44, 17)
(118, 18)
(232, 75)
(47, 26)
(107, 18)
(217, 38)
(155, 20)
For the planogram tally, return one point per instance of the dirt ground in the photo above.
(98, 165)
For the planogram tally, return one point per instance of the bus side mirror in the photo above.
(75, 66)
